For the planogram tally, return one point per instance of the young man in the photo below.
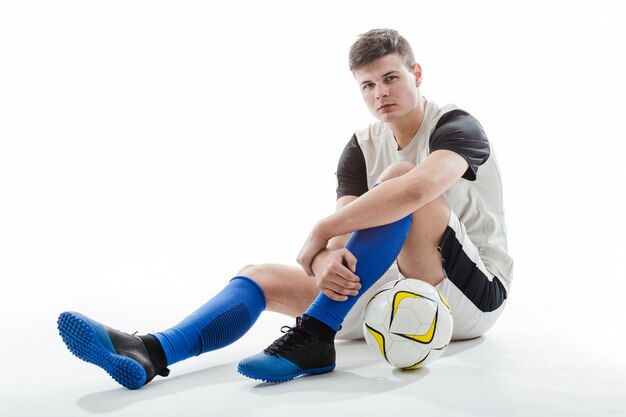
(418, 196)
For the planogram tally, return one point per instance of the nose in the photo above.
(381, 91)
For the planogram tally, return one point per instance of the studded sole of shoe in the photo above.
(285, 378)
(80, 335)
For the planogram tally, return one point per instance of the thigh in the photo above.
(420, 257)
(469, 320)
(287, 289)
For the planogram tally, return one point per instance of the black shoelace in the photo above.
(294, 337)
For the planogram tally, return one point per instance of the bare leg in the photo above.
(288, 289)
(420, 257)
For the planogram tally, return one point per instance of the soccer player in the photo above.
(419, 196)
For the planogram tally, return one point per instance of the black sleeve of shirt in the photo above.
(460, 132)
(351, 171)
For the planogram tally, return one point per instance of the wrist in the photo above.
(319, 258)
(324, 229)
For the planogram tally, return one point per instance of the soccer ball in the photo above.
(408, 323)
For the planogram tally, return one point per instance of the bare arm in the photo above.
(390, 201)
(334, 265)
(398, 197)
(338, 242)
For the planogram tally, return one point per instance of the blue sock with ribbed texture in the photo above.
(375, 250)
(218, 323)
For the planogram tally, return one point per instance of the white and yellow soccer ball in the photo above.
(408, 323)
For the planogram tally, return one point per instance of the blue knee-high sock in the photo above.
(375, 250)
(219, 322)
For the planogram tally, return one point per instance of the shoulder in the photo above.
(458, 131)
(374, 132)
(451, 118)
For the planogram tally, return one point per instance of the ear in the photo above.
(417, 71)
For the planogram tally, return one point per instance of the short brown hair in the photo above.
(378, 43)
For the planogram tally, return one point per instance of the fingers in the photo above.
(340, 275)
(334, 296)
(342, 286)
(337, 296)
(335, 274)
(338, 288)
(349, 259)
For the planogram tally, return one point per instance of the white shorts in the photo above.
(475, 295)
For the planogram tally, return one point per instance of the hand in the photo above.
(314, 244)
(334, 271)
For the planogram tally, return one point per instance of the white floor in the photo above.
(539, 360)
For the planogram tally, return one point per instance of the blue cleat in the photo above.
(306, 349)
(124, 357)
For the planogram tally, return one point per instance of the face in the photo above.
(389, 88)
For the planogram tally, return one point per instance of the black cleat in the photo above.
(131, 360)
(308, 348)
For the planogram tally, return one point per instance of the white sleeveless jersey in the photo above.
(478, 203)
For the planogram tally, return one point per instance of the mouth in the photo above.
(385, 106)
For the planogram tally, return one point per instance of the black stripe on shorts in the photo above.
(466, 276)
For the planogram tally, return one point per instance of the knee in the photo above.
(394, 170)
(254, 272)
(435, 212)
(261, 275)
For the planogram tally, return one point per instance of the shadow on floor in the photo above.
(358, 372)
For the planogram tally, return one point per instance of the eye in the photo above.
(391, 77)
(368, 86)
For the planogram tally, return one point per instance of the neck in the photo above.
(404, 129)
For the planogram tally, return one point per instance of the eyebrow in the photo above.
(384, 75)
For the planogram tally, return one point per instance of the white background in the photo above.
(150, 149)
